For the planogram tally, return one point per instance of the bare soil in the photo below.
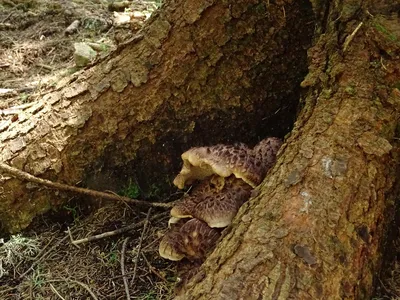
(35, 50)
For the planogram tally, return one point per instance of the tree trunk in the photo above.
(200, 72)
(314, 230)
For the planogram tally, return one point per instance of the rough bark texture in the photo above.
(315, 228)
(200, 72)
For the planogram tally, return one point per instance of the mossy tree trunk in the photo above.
(314, 230)
(200, 72)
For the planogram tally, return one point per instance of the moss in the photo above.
(131, 190)
(73, 211)
(385, 31)
(158, 190)
(326, 93)
(259, 8)
(350, 90)
(149, 190)
(349, 10)
(154, 191)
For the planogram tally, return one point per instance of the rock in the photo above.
(72, 28)
(84, 54)
(121, 19)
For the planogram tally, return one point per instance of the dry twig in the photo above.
(146, 223)
(81, 284)
(152, 269)
(64, 187)
(128, 297)
(56, 292)
(118, 231)
(351, 37)
(44, 66)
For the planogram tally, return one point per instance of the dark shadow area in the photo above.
(387, 281)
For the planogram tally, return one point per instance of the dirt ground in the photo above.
(36, 52)
(42, 263)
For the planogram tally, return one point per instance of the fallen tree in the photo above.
(205, 72)
(198, 73)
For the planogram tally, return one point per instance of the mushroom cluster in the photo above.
(227, 175)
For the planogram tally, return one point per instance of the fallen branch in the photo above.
(64, 187)
(118, 231)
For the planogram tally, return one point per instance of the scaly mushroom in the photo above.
(216, 206)
(248, 164)
(228, 175)
(191, 239)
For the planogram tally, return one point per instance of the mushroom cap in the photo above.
(248, 164)
(266, 150)
(216, 205)
(219, 209)
(191, 239)
(171, 245)
(184, 208)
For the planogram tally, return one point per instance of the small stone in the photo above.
(84, 54)
(72, 28)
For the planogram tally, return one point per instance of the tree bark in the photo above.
(200, 72)
(315, 229)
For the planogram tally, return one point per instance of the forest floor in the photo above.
(42, 262)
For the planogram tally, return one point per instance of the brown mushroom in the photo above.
(228, 174)
(191, 239)
(185, 208)
(248, 164)
(216, 206)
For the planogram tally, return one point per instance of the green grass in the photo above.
(110, 258)
(132, 190)
(74, 211)
(151, 295)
